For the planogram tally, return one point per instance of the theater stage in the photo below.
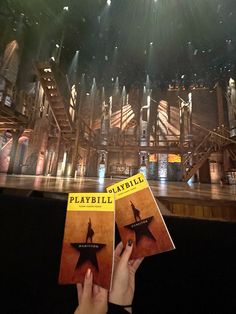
(211, 201)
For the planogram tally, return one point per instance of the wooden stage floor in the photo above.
(200, 200)
(160, 189)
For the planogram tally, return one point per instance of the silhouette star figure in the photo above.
(90, 232)
(88, 253)
(136, 212)
(141, 229)
(88, 250)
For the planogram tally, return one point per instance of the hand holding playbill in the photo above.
(139, 218)
(88, 238)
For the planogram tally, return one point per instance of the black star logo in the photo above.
(141, 229)
(88, 253)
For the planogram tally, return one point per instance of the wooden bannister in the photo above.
(49, 78)
(212, 142)
(55, 85)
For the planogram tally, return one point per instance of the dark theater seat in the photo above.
(198, 277)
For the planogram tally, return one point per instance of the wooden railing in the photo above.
(16, 106)
(213, 141)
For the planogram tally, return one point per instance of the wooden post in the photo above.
(220, 105)
(56, 158)
(75, 150)
(15, 137)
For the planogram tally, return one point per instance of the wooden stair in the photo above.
(52, 80)
(200, 159)
(232, 153)
(58, 94)
(214, 141)
(194, 160)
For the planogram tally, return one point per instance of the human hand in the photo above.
(92, 298)
(123, 285)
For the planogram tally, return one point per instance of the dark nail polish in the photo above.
(130, 242)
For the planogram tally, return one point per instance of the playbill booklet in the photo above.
(88, 238)
(138, 217)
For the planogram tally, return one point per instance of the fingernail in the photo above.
(130, 242)
(88, 273)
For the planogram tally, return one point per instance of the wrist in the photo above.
(76, 311)
(119, 299)
(117, 308)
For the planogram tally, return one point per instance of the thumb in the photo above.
(88, 284)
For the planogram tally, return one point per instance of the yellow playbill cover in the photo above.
(138, 217)
(88, 238)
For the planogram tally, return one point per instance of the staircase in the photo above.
(214, 141)
(232, 153)
(51, 81)
(193, 161)
(58, 93)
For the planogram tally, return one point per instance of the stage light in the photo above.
(57, 46)
(66, 9)
(108, 2)
(151, 43)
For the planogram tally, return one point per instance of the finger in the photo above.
(99, 290)
(127, 252)
(119, 249)
(95, 289)
(88, 284)
(104, 293)
(136, 263)
(79, 291)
